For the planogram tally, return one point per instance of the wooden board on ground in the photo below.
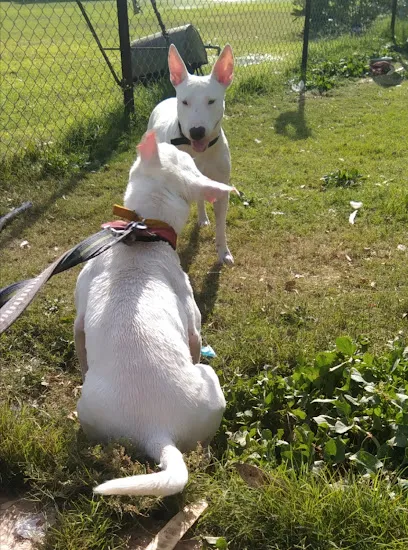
(168, 538)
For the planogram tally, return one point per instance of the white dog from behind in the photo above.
(192, 121)
(137, 332)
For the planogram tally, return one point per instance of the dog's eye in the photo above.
(185, 102)
(211, 101)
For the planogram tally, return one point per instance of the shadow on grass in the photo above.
(85, 147)
(294, 119)
(207, 297)
(190, 250)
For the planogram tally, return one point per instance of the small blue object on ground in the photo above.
(207, 351)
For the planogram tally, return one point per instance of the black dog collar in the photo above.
(185, 141)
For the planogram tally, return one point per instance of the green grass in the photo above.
(53, 75)
(301, 279)
(59, 100)
(308, 512)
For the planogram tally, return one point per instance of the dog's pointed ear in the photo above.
(178, 71)
(147, 148)
(212, 191)
(223, 70)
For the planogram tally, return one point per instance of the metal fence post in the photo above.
(125, 57)
(306, 39)
(393, 17)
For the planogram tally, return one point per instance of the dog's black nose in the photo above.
(197, 133)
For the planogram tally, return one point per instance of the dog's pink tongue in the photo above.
(199, 146)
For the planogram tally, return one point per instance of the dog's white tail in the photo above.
(172, 479)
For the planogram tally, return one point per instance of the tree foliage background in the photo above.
(335, 17)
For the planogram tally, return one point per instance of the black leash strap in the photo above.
(15, 298)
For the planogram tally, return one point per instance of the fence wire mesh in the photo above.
(347, 26)
(54, 76)
(258, 31)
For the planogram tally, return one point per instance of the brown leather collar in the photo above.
(132, 216)
(155, 230)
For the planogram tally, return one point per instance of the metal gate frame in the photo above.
(126, 82)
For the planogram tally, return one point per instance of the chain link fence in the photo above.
(54, 74)
(258, 31)
(350, 25)
(66, 62)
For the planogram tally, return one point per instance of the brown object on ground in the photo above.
(252, 475)
(168, 537)
(381, 67)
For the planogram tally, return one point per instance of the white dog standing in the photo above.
(137, 332)
(192, 121)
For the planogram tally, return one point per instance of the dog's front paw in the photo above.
(225, 257)
(203, 222)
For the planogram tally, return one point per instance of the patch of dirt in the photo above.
(21, 525)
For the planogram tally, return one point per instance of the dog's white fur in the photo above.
(137, 332)
(199, 103)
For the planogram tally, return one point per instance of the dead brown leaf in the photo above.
(290, 286)
(252, 475)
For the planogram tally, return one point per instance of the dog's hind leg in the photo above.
(194, 341)
(211, 403)
(202, 215)
(79, 338)
(194, 323)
